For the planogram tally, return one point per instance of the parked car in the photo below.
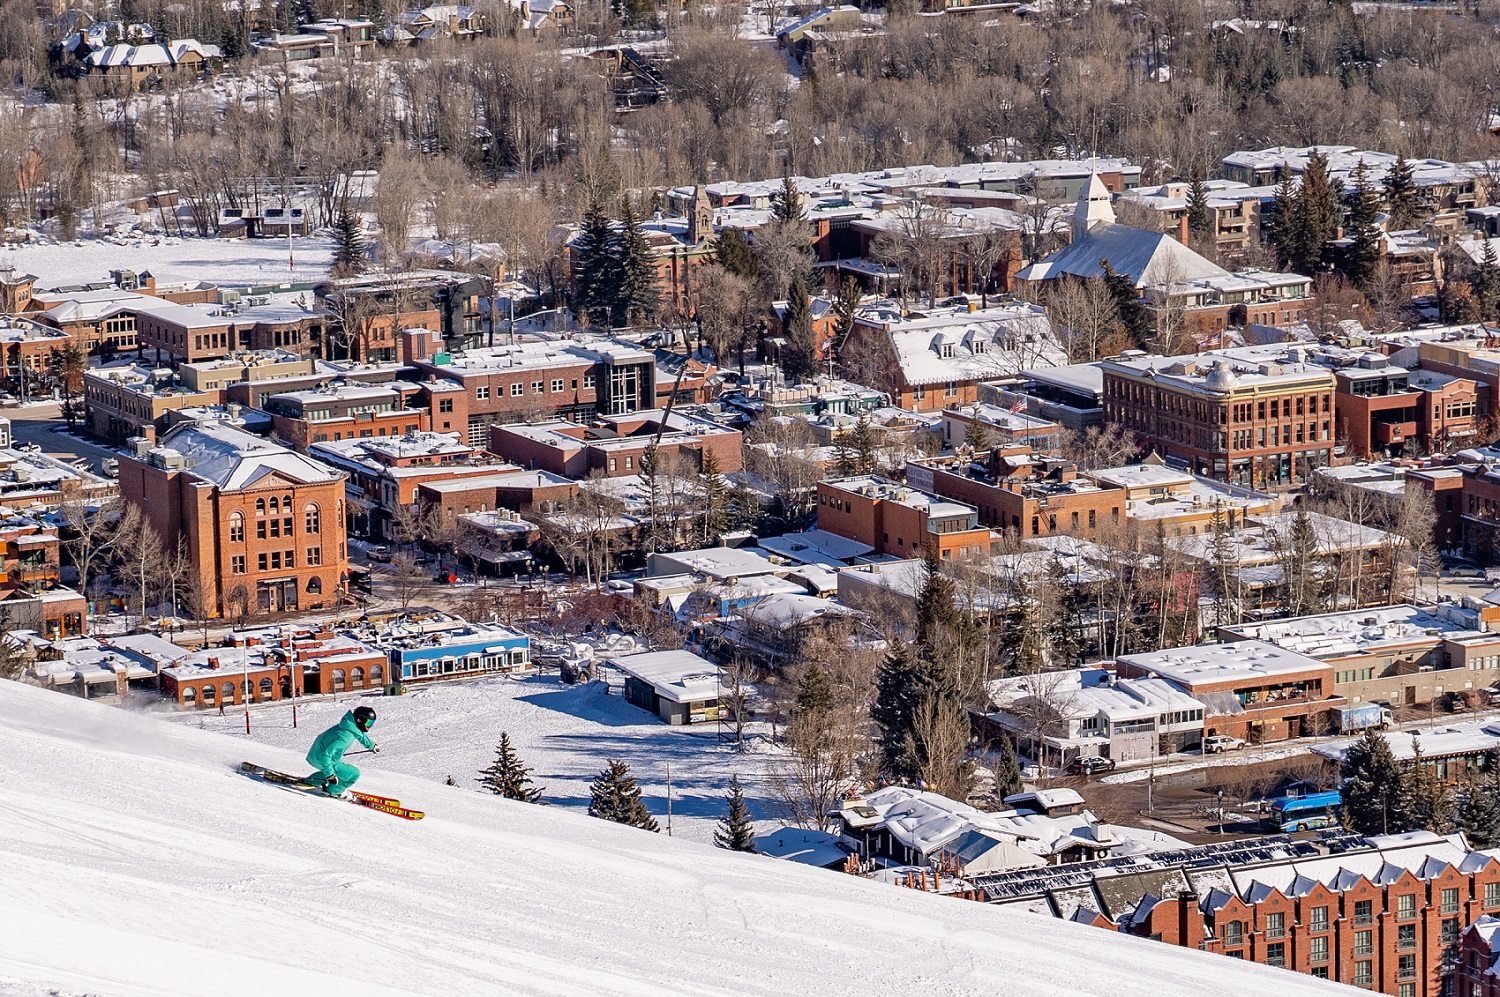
(1089, 764)
(1221, 742)
(380, 554)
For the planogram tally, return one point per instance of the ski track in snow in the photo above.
(565, 734)
(135, 862)
(227, 262)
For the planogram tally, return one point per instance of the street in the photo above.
(38, 424)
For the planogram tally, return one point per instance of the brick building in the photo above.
(367, 314)
(1022, 493)
(897, 519)
(1388, 411)
(340, 412)
(1258, 415)
(26, 351)
(262, 527)
(1249, 689)
(204, 332)
(614, 446)
(126, 400)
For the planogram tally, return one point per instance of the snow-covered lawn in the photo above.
(1172, 766)
(566, 734)
(227, 262)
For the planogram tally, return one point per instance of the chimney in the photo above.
(213, 663)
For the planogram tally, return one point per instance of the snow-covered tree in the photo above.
(507, 777)
(736, 830)
(616, 796)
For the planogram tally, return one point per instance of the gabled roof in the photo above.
(235, 460)
(1148, 258)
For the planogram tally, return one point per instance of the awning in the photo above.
(35, 540)
(494, 556)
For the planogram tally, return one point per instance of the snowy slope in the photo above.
(135, 862)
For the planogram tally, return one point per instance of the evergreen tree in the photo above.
(899, 689)
(736, 830)
(1130, 307)
(976, 437)
(1007, 771)
(1300, 568)
(1480, 818)
(799, 355)
(1363, 229)
(1223, 563)
(1401, 194)
(845, 459)
(1373, 787)
(938, 615)
(1427, 802)
(615, 796)
(1200, 217)
(733, 254)
(844, 308)
(1484, 284)
(787, 202)
(596, 267)
(1283, 231)
(713, 499)
(507, 777)
(637, 298)
(349, 244)
(1316, 216)
(862, 442)
(814, 694)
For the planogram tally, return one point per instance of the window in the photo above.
(517, 389)
(1234, 933)
(314, 556)
(1319, 972)
(1364, 943)
(311, 519)
(536, 387)
(236, 528)
(1406, 936)
(1318, 921)
(237, 564)
(1362, 911)
(445, 405)
(1491, 896)
(275, 506)
(275, 560)
(557, 384)
(1276, 954)
(482, 393)
(1317, 949)
(1406, 967)
(1364, 975)
(260, 507)
(275, 529)
(588, 381)
(1450, 901)
(315, 587)
(1450, 931)
(1406, 990)
(1406, 905)
(260, 529)
(260, 562)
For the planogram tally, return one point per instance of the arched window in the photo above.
(376, 674)
(338, 680)
(312, 519)
(189, 695)
(286, 504)
(314, 586)
(260, 507)
(357, 678)
(208, 695)
(265, 687)
(275, 505)
(228, 692)
(236, 528)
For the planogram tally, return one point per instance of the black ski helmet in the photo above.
(363, 717)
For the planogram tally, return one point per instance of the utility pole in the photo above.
(669, 799)
(245, 689)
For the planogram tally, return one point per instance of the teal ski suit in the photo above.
(327, 755)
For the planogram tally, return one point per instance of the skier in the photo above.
(333, 774)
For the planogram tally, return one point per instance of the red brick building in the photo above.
(615, 446)
(341, 412)
(1027, 494)
(900, 520)
(263, 527)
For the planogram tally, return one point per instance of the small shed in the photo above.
(678, 686)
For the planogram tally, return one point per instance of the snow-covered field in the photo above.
(135, 862)
(566, 734)
(227, 262)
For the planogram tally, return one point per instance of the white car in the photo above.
(1221, 742)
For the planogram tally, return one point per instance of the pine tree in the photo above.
(814, 694)
(733, 254)
(1301, 571)
(507, 777)
(1480, 819)
(736, 830)
(899, 688)
(1223, 562)
(1283, 231)
(787, 202)
(1427, 802)
(976, 437)
(1484, 284)
(596, 267)
(862, 442)
(1007, 771)
(1373, 787)
(349, 244)
(1132, 311)
(845, 459)
(1316, 216)
(937, 606)
(712, 498)
(1200, 217)
(638, 298)
(615, 796)
(799, 355)
(1363, 229)
(1401, 194)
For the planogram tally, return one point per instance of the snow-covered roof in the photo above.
(955, 344)
(1148, 258)
(234, 460)
(680, 676)
(1238, 662)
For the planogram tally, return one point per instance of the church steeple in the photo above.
(1093, 208)
(701, 217)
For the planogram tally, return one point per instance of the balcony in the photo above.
(1394, 432)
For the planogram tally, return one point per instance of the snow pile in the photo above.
(136, 862)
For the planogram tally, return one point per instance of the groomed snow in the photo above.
(226, 262)
(136, 863)
(565, 734)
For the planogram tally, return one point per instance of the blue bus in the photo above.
(1306, 813)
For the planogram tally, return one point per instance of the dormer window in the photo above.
(946, 351)
(976, 345)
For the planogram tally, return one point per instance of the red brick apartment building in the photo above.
(1387, 411)
(1258, 416)
(341, 412)
(263, 527)
(897, 519)
(1030, 495)
(615, 446)
(1388, 914)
